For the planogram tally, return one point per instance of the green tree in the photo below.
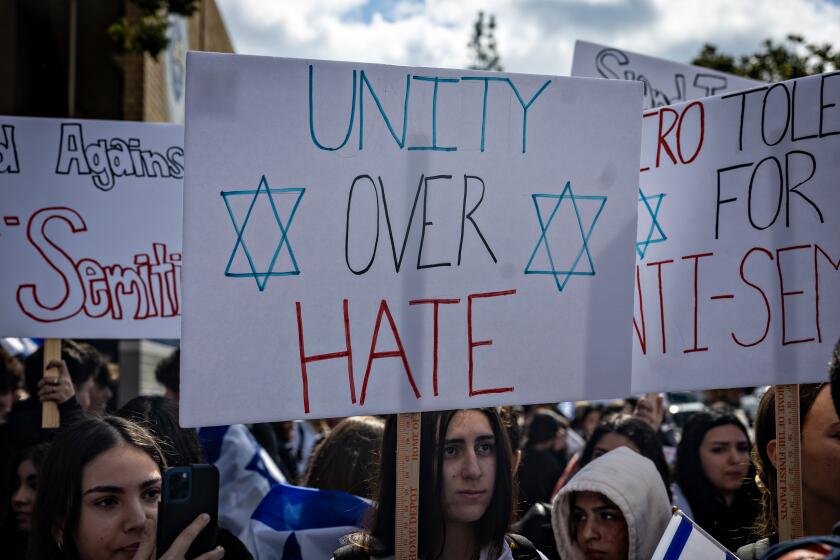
(774, 62)
(482, 45)
(147, 33)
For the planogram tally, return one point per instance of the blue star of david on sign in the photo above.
(561, 276)
(642, 246)
(263, 192)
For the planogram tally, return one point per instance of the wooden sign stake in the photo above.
(408, 486)
(788, 463)
(49, 413)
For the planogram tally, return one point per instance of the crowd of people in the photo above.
(584, 481)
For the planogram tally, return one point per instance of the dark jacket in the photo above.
(25, 421)
(537, 477)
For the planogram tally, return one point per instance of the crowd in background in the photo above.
(569, 480)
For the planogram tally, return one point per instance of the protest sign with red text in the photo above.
(738, 249)
(90, 228)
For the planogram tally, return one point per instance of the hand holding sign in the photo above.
(56, 389)
(649, 408)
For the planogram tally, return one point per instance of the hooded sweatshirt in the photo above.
(632, 483)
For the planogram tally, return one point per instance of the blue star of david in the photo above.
(263, 190)
(642, 246)
(562, 276)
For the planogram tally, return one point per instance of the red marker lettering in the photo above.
(641, 336)
(472, 344)
(763, 296)
(696, 258)
(398, 353)
(74, 295)
(835, 266)
(346, 353)
(437, 303)
(658, 266)
(785, 294)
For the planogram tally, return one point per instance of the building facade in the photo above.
(58, 60)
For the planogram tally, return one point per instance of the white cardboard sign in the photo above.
(369, 239)
(665, 82)
(737, 279)
(90, 228)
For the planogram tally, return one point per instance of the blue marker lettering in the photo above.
(525, 107)
(364, 81)
(437, 80)
(484, 103)
(312, 115)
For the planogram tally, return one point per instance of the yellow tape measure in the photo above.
(50, 417)
(408, 485)
(788, 463)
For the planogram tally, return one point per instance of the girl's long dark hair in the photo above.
(640, 433)
(706, 501)
(58, 503)
(159, 415)
(489, 530)
(767, 523)
(348, 458)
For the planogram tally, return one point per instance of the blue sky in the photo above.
(534, 36)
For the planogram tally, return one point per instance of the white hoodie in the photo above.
(632, 483)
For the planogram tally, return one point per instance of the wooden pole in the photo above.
(408, 486)
(788, 463)
(49, 412)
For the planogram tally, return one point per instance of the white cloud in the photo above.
(535, 36)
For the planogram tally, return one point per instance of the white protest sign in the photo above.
(665, 82)
(369, 239)
(90, 237)
(737, 278)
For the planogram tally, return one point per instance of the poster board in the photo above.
(90, 228)
(365, 239)
(738, 250)
(665, 82)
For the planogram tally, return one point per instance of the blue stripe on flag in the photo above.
(678, 541)
(211, 442)
(292, 508)
(257, 465)
(291, 550)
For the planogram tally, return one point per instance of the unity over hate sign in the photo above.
(382, 239)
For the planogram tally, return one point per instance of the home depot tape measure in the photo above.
(408, 485)
(788, 463)
(50, 417)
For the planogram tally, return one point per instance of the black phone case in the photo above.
(175, 516)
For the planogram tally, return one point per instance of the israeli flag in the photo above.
(685, 540)
(296, 523)
(21, 347)
(246, 472)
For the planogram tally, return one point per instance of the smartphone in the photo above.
(187, 493)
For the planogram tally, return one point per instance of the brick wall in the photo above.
(133, 79)
(154, 90)
(216, 38)
(144, 92)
